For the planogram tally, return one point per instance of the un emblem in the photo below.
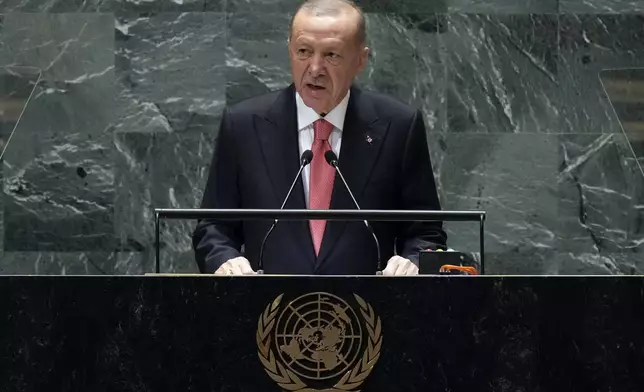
(318, 338)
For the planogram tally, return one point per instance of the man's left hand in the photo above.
(400, 266)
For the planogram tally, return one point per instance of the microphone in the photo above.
(332, 160)
(305, 159)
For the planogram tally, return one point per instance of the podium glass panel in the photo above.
(17, 85)
(625, 90)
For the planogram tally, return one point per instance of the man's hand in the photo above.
(400, 266)
(236, 266)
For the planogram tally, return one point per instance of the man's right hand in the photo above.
(236, 266)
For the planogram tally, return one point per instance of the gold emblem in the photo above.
(319, 338)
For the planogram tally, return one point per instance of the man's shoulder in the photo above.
(387, 105)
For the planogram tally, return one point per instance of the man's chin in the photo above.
(315, 101)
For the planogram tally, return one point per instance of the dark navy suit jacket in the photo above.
(384, 157)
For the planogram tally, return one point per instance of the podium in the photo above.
(428, 262)
(303, 333)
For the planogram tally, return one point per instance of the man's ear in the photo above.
(288, 47)
(363, 58)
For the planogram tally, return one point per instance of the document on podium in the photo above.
(17, 86)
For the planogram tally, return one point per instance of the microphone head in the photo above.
(331, 158)
(307, 157)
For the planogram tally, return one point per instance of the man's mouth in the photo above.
(315, 87)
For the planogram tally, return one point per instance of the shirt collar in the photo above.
(307, 116)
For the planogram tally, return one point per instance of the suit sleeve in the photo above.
(418, 192)
(215, 242)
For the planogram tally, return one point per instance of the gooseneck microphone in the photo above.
(305, 159)
(332, 160)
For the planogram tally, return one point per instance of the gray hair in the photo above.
(333, 8)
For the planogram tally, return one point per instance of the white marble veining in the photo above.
(132, 93)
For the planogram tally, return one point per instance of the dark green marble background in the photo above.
(128, 107)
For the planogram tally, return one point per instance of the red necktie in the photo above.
(321, 182)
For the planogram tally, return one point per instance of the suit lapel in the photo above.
(278, 136)
(362, 138)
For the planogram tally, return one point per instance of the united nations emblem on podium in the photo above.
(319, 342)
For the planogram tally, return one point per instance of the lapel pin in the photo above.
(369, 139)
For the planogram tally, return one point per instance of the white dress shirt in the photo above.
(305, 119)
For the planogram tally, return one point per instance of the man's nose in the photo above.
(316, 67)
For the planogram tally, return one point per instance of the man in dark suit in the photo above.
(381, 147)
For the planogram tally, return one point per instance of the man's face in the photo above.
(325, 57)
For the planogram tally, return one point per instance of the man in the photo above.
(381, 147)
